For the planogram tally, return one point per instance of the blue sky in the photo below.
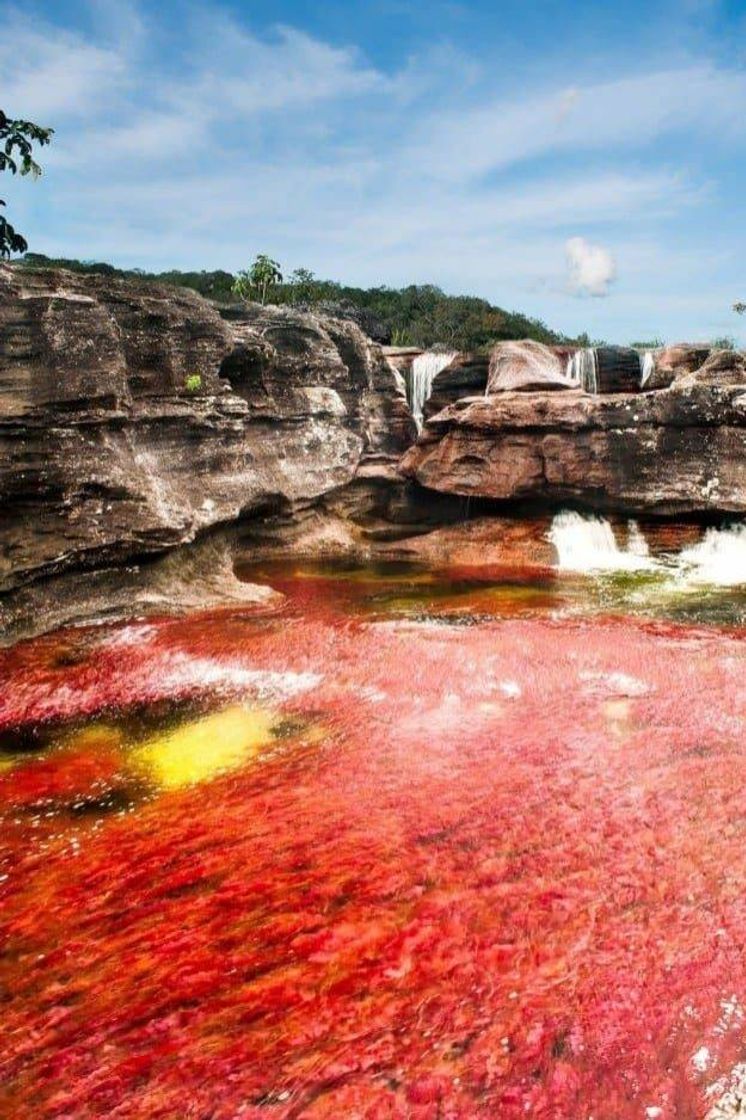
(583, 162)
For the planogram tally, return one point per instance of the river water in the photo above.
(417, 844)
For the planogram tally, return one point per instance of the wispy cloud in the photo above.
(630, 112)
(45, 73)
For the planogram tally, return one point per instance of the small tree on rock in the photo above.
(304, 286)
(17, 139)
(259, 280)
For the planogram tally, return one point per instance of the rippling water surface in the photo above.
(416, 845)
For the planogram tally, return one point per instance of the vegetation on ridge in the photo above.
(419, 315)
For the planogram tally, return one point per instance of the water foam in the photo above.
(182, 671)
(588, 544)
(720, 557)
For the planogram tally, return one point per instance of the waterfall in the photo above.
(636, 543)
(424, 370)
(720, 557)
(648, 367)
(588, 544)
(582, 368)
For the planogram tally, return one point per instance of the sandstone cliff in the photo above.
(133, 416)
(677, 451)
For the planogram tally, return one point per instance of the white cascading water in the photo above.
(582, 368)
(588, 544)
(719, 558)
(648, 367)
(425, 369)
(636, 543)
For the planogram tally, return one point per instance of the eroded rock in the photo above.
(681, 358)
(133, 417)
(682, 450)
(722, 367)
(525, 367)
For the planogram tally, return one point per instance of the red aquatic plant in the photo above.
(487, 870)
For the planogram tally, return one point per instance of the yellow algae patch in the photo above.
(202, 750)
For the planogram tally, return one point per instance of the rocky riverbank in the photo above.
(136, 419)
(133, 418)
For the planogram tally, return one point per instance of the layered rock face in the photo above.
(677, 451)
(323, 401)
(132, 416)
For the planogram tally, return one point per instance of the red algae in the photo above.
(484, 870)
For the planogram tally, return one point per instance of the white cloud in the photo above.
(287, 69)
(591, 268)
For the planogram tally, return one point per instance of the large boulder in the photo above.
(722, 367)
(466, 376)
(681, 451)
(69, 340)
(682, 357)
(291, 365)
(133, 416)
(525, 366)
(662, 367)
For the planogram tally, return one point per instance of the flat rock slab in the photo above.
(681, 450)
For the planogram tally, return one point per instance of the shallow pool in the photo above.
(417, 844)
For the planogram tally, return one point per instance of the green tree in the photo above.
(304, 286)
(259, 280)
(17, 139)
